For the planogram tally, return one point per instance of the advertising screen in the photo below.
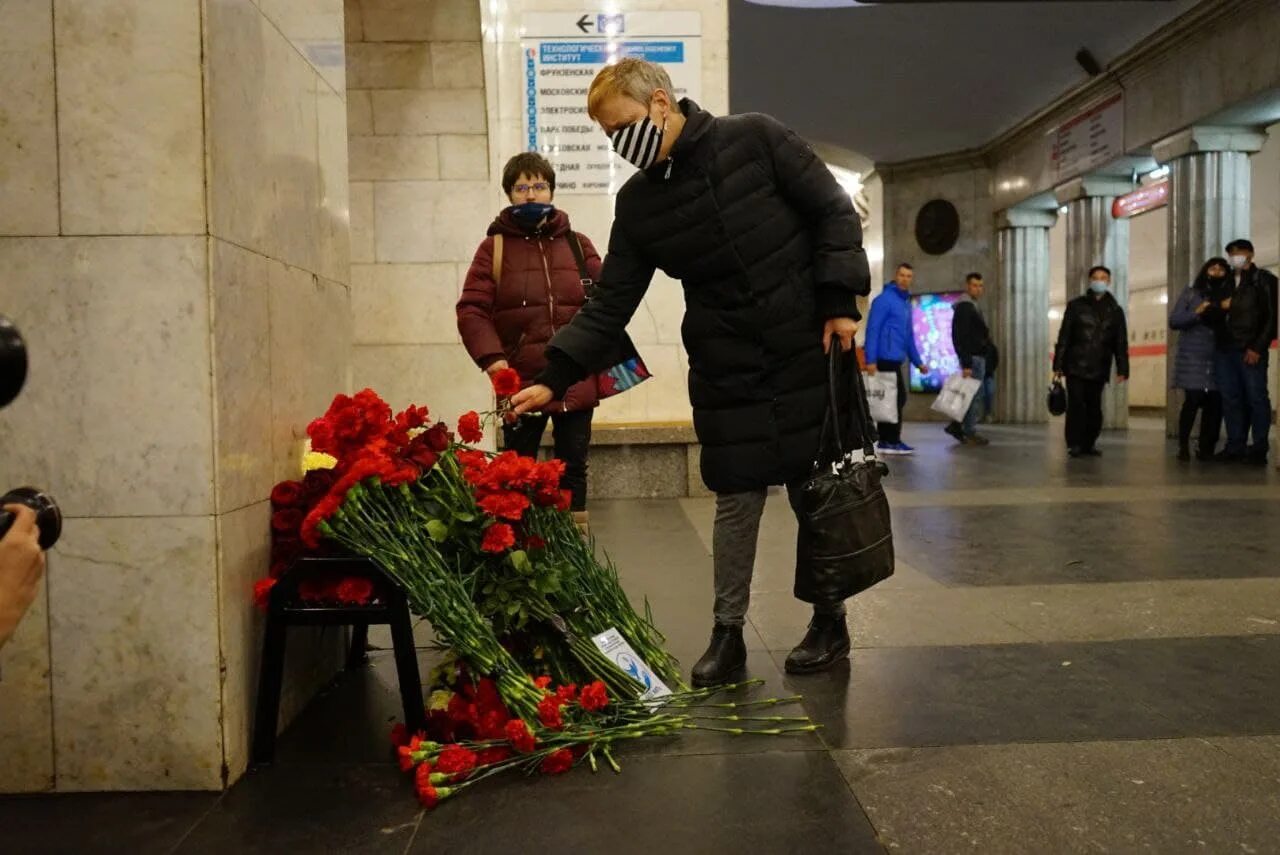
(931, 326)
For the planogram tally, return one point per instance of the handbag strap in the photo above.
(861, 411)
(575, 246)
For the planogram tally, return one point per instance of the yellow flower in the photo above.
(439, 701)
(317, 460)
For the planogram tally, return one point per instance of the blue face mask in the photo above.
(1098, 286)
(532, 213)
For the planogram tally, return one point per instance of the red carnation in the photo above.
(519, 735)
(429, 796)
(558, 762)
(286, 520)
(506, 382)
(456, 760)
(461, 711)
(542, 682)
(534, 542)
(327, 507)
(438, 438)
(355, 590)
(422, 777)
(491, 756)
(262, 592)
(404, 755)
(316, 483)
(567, 694)
(549, 713)
(469, 427)
(412, 417)
(506, 506)
(399, 734)
(499, 537)
(594, 697)
(287, 494)
(565, 502)
(493, 724)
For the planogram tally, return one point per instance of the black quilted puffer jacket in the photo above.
(767, 247)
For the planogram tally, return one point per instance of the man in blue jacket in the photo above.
(889, 344)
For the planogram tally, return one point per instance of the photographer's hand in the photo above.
(21, 566)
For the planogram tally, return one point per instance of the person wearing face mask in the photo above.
(1195, 316)
(507, 317)
(769, 251)
(1093, 334)
(1244, 334)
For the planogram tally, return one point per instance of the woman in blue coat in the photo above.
(1194, 316)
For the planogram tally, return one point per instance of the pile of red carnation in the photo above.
(473, 735)
(291, 501)
(508, 485)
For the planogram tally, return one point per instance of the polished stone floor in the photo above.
(1074, 656)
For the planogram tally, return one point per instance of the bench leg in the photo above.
(407, 673)
(359, 653)
(270, 683)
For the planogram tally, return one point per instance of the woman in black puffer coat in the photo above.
(769, 251)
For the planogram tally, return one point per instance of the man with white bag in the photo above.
(972, 341)
(889, 345)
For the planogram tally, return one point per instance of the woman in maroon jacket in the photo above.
(507, 320)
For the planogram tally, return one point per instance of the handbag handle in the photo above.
(861, 411)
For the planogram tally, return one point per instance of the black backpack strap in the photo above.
(575, 246)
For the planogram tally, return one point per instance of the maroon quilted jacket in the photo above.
(540, 292)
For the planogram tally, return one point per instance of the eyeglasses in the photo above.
(539, 187)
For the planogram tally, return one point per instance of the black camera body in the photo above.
(13, 374)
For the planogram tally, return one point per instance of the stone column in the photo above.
(1095, 237)
(174, 241)
(1020, 315)
(1208, 206)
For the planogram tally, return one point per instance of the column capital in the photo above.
(1091, 185)
(1030, 218)
(1203, 138)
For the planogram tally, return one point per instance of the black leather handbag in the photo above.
(1057, 398)
(845, 543)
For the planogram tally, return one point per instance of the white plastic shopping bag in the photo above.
(882, 396)
(957, 394)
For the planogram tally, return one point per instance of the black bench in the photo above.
(286, 609)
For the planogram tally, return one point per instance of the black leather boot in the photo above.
(825, 644)
(724, 660)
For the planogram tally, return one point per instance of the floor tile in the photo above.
(1167, 796)
(308, 808)
(776, 803)
(136, 823)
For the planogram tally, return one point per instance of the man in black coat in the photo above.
(769, 251)
(1252, 396)
(1093, 333)
(1245, 331)
(971, 339)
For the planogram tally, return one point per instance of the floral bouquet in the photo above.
(487, 552)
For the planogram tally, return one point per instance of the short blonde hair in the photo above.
(635, 78)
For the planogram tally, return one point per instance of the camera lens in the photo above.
(13, 361)
(48, 515)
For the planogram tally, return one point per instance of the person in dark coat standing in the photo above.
(507, 321)
(769, 251)
(1240, 252)
(1093, 334)
(972, 342)
(1194, 317)
(1245, 333)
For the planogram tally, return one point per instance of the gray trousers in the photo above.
(733, 542)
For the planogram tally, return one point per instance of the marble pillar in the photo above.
(1095, 237)
(1020, 315)
(1209, 178)
(173, 231)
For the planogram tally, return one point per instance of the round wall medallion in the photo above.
(937, 226)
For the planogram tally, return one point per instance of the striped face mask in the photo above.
(639, 143)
